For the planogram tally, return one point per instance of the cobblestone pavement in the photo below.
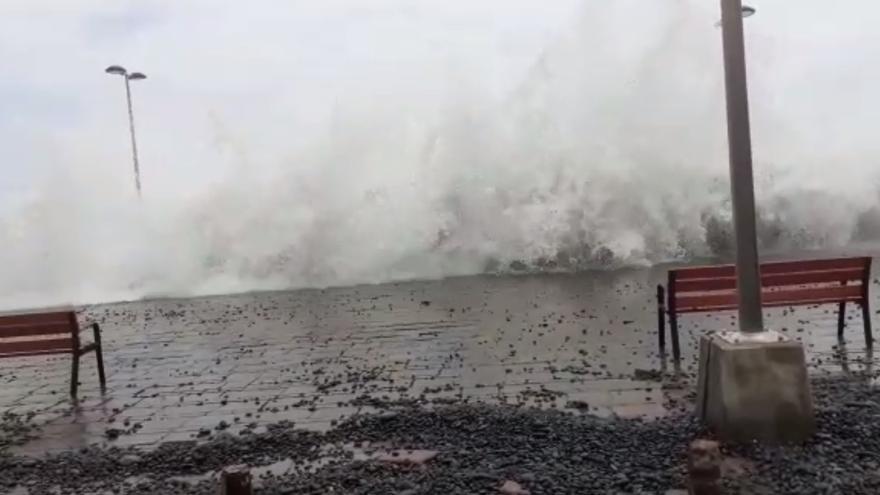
(186, 369)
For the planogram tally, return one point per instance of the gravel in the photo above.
(480, 449)
(15, 429)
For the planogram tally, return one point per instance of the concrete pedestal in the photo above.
(755, 390)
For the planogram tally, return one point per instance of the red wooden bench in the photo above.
(37, 334)
(790, 283)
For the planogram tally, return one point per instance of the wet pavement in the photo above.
(191, 369)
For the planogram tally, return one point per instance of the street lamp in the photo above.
(133, 76)
(751, 321)
(753, 382)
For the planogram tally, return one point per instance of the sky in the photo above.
(267, 72)
(253, 80)
(293, 143)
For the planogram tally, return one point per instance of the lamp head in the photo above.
(116, 69)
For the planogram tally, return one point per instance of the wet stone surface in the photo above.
(288, 377)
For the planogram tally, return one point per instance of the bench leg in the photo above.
(866, 316)
(673, 328)
(841, 314)
(661, 318)
(74, 374)
(99, 355)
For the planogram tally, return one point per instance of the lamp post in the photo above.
(133, 76)
(751, 322)
(753, 382)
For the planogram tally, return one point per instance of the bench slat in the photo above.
(48, 346)
(35, 318)
(734, 307)
(707, 272)
(773, 280)
(793, 297)
(35, 330)
(816, 265)
(723, 271)
(50, 352)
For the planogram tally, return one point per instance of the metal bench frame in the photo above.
(790, 283)
(57, 332)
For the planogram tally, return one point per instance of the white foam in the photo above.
(609, 151)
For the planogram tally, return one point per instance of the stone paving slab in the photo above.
(182, 369)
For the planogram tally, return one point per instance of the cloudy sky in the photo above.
(252, 80)
(226, 75)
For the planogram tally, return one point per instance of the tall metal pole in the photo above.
(134, 150)
(742, 187)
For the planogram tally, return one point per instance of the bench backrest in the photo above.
(33, 334)
(786, 283)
